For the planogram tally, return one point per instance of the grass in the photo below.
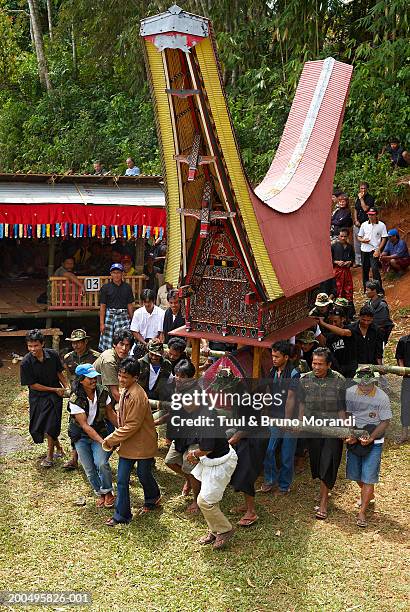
(287, 561)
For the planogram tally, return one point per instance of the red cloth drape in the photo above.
(29, 214)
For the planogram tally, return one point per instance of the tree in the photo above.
(39, 45)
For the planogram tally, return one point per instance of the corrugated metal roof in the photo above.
(136, 195)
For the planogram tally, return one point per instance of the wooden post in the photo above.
(51, 256)
(56, 342)
(195, 344)
(139, 255)
(257, 359)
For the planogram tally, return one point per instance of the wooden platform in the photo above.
(54, 332)
(20, 296)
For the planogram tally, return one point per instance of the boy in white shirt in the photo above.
(147, 322)
(372, 236)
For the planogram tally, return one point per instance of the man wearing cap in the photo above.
(155, 372)
(308, 343)
(395, 255)
(372, 236)
(370, 407)
(80, 354)
(321, 394)
(90, 406)
(323, 305)
(116, 306)
(148, 321)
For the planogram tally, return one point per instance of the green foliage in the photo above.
(100, 104)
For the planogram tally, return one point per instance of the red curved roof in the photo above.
(295, 221)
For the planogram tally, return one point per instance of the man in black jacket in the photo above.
(173, 317)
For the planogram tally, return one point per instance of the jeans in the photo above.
(149, 484)
(95, 463)
(370, 262)
(356, 246)
(284, 476)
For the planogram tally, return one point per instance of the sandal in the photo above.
(146, 509)
(100, 501)
(208, 539)
(47, 463)
(265, 488)
(222, 539)
(109, 501)
(321, 516)
(247, 522)
(361, 523)
(112, 522)
(70, 465)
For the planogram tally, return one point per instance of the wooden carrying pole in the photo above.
(195, 344)
(257, 361)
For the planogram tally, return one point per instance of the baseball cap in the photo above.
(117, 266)
(86, 369)
(393, 232)
(372, 211)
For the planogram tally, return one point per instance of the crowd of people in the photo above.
(112, 392)
(109, 404)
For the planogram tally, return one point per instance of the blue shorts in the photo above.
(364, 469)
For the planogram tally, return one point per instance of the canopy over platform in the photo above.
(81, 206)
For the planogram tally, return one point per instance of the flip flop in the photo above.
(247, 522)
(112, 522)
(361, 523)
(266, 488)
(321, 516)
(47, 463)
(70, 465)
(207, 539)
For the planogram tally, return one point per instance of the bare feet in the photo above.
(192, 508)
(361, 520)
(186, 489)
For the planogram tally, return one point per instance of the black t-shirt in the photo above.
(369, 347)
(403, 350)
(116, 296)
(287, 381)
(344, 354)
(342, 252)
(362, 216)
(218, 446)
(33, 371)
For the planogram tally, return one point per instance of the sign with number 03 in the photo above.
(92, 283)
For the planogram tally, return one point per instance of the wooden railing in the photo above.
(63, 294)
